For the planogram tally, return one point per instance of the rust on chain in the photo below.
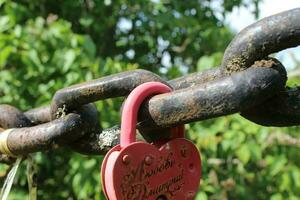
(196, 78)
(107, 87)
(277, 111)
(39, 115)
(11, 117)
(215, 98)
(212, 99)
(94, 140)
(62, 131)
(252, 44)
(91, 131)
(43, 137)
(258, 40)
(269, 35)
(221, 91)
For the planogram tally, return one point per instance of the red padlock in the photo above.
(139, 170)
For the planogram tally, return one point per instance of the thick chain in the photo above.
(247, 82)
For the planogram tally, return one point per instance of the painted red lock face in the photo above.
(138, 170)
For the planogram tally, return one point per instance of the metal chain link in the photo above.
(247, 82)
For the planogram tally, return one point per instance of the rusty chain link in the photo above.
(248, 82)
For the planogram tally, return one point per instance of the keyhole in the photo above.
(162, 197)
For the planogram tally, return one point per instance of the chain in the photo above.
(248, 82)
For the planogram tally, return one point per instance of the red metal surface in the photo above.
(131, 107)
(103, 167)
(171, 172)
(137, 170)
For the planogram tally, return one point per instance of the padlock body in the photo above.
(103, 170)
(141, 171)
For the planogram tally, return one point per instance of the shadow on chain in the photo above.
(59, 132)
(247, 82)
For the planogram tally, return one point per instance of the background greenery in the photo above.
(47, 45)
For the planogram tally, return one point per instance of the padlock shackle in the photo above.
(131, 107)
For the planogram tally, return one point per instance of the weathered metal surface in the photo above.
(282, 109)
(89, 142)
(39, 115)
(97, 142)
(202, 101)
(45, 136)
(62, 131)
(124, 172)
(258, 92)
(196, 78)
(107, 87)
(212, 99)
(255, 42)
(269, 35)
(221, 97)
(87, 139)
(11, 117)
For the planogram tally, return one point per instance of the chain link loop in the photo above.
(247, 82)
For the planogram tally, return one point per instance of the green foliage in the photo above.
(48, 45)
(241, 160)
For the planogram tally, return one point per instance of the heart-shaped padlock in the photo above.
(139, 170)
